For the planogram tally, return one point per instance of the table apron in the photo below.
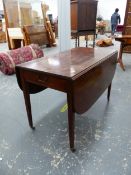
(45, 80)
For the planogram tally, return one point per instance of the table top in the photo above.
(69, 64)
(123, 37)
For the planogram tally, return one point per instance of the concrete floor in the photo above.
(103, 134)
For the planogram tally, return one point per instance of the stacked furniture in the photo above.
(36, 34)
(19, 14)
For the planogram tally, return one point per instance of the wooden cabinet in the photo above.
(83, 17)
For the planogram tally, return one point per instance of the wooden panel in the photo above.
(90, 86)
(2, 36)
(127, 25)
(128, 30)
(26, 16)
(129, 7)
(83, 15)
(127, 49)
(128, 20)
(74, 12)
(87, 15)
(12, 13)
(36, 34)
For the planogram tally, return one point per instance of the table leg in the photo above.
(94, 39)
(109, 91)
(78, 41)
(71, 121)
(120, 58)
(27, 103)
(86, 40)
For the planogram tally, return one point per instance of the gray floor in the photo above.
(103, 134)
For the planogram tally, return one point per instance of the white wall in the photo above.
(107, 7)
(1, 5)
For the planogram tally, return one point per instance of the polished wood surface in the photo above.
(82, 73)
(74, 11)
(125, 41)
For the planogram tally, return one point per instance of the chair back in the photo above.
(36, 34)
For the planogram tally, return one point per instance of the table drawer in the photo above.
(46, 80)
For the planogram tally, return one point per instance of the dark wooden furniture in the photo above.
(127, 25)
(2, 36)
(11, 15)
(83, 19)
(125, 41)
(82, 73)
(36, 34)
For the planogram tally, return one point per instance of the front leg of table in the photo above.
(26, 93)
(71, 121)
(76, 41)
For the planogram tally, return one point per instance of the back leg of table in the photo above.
(94, 36)
(86, 37)
(78, 41)
(71, 121)
(109, 91)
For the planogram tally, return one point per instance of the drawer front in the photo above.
(45, 80)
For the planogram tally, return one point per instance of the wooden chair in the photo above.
(36, 34)
(125, 39)
(15, 37)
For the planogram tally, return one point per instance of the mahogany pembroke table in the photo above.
(82, 73)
